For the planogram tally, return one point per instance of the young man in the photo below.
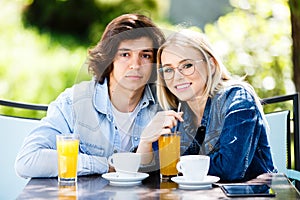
(110, 111)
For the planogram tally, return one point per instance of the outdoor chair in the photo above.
(13, 130)
(284, 131)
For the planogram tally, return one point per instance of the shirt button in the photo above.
(135, 138)
(116, 127)
(115, 151)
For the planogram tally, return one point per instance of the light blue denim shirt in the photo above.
(84, 109)
(236, 136)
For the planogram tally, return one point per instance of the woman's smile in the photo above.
(183, 86)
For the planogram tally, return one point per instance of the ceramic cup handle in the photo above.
(110, 161)
(178, 167)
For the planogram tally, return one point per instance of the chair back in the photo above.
(294, 128)
(278, 123)
(284, 136)
(13, 130)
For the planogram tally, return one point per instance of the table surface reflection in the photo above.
(96, 187)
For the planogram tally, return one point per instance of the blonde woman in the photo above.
(222, 117)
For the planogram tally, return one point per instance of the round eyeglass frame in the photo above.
(161, 73)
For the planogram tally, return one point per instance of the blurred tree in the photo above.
(83, 20)
(255, 40)
(38, 62)
(295, 21)
(63, 17)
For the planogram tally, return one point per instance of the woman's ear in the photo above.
(213, 64)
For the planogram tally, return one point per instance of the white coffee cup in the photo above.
(193, 167)
(126, 163)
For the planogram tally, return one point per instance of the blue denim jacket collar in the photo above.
(204, 120)
(102, 102)
(190, 129)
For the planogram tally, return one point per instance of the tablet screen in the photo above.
(248, 190)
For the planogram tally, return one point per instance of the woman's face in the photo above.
(132, 64)
(186, 87)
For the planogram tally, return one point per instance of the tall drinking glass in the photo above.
(67, 191)
(169, 153)
(67, 151)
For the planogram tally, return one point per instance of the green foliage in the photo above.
(83, 20)
(22, 112)
(37, 62)
(34, 67)
(255, 40)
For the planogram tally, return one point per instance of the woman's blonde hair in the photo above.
(218, 80)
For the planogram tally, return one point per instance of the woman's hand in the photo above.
(161, 124)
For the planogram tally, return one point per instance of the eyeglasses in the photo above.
(186, 68)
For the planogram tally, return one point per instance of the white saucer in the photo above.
(195, 187)
(115, 180)
(204, 184)
(117, 183)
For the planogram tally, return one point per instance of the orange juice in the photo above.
(67, 192)
(169, 153)
(167, 190)
(67, 158)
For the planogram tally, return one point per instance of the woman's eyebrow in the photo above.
(180, 62)
(184, 60)
(166, 65)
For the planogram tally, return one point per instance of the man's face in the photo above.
(132, 65)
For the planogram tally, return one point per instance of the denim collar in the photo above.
(206, 112)
(102, 101)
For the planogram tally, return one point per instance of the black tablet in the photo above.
(242, 190)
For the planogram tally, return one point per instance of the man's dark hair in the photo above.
(124, 27)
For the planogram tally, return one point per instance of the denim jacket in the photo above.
(236, 136)
(84, 109)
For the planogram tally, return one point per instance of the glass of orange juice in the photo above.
(169, 153)
(67, 191)
(67, 152)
